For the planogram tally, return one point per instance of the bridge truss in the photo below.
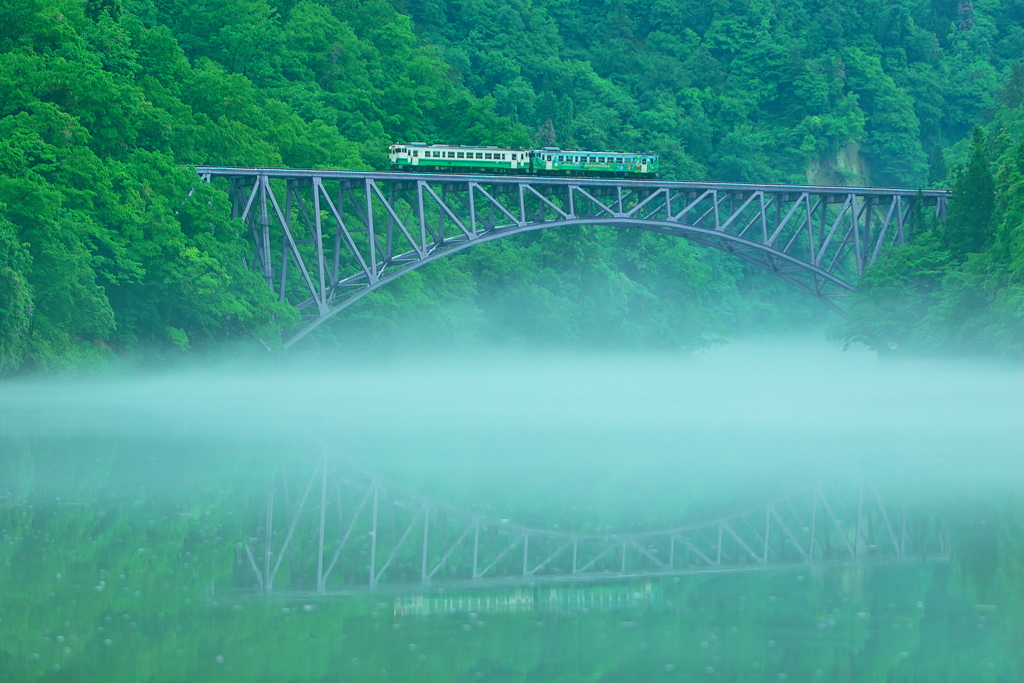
(347, 530)
(324, 239)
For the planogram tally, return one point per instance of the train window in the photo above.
(600, 160)
(460, 155)
(415, 152)
(479, 155)
(451, 155)
(487, 155)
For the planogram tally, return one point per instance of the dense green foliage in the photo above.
(959, 288)
(106, 239)
(108, 245)
(749, 90)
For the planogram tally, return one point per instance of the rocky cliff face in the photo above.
(847, 167)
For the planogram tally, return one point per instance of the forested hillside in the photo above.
(959, 289)
(109, 247)
(751, 90)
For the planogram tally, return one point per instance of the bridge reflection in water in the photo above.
(556, 599)
(346, 529)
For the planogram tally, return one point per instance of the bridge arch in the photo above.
(772, 260)
(345, 234)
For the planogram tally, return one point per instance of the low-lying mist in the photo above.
(645, 438)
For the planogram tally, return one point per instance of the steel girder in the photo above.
(352, 530)
(324, 239)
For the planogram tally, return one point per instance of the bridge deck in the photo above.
(390, 176)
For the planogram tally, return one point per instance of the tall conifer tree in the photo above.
(969, 226)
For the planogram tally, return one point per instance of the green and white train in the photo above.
(543, 161)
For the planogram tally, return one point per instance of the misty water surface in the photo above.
(172, 463)
(560, 425)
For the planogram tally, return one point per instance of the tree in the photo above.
(969, 226)
(546, 134)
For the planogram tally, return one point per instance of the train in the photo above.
(550, 161)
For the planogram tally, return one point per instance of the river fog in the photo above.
(652, 436)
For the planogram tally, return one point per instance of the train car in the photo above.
(555, 161)
(545, 161)
(458, 158)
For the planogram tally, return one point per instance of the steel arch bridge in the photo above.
(325, 239)
(347, 529)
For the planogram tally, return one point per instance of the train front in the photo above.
(398, 154)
